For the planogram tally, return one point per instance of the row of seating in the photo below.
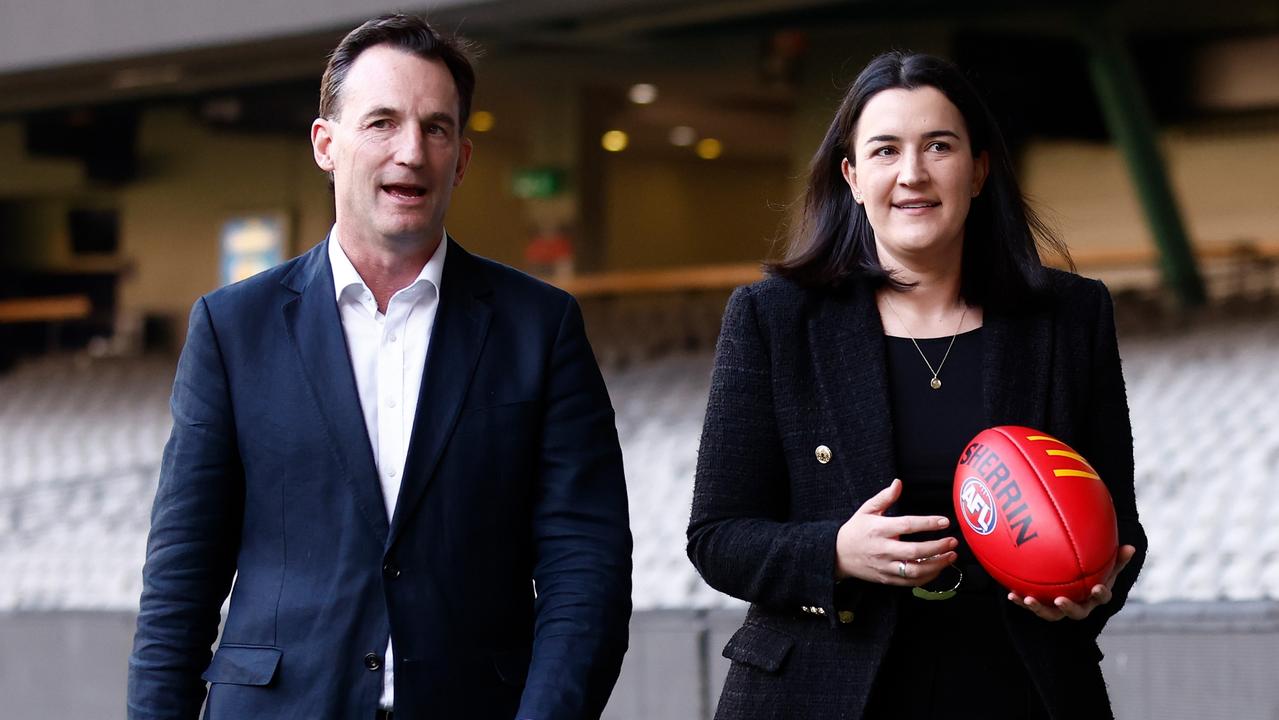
(80, 446)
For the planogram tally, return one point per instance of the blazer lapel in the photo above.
(847, 342)
(461, 324)
(315, 327)
(1016, 365)
(846, 339)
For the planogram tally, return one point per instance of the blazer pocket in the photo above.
(512, 666)
(759, 647)
(243, 665)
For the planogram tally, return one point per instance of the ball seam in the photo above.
(1061, 517)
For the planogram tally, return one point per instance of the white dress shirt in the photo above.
(388, 354)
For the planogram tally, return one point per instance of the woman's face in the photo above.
(910, 164)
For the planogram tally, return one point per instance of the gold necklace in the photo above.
(935, 383)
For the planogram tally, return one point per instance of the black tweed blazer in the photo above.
(798, 368)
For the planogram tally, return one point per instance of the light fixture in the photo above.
(683, 136)
(482, 121)
(614, 141)
(226, 110)
(145, 76)
(709, 148)
(642, 93)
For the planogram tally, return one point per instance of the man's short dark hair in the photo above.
(410, 34)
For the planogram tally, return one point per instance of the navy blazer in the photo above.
(504, 575)
(799, 368)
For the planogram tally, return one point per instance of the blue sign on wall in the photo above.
(251, 244)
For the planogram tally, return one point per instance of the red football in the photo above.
(1035, 513)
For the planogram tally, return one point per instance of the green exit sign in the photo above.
(534, 183)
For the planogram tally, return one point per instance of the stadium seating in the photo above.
(80, 444)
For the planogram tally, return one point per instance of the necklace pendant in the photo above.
(935, 383)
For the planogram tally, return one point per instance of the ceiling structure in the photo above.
(725, 67)
(266, 43)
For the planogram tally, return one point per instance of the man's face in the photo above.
(395, 148)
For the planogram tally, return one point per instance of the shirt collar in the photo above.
(346, 276)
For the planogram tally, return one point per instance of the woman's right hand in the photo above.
(868, 545)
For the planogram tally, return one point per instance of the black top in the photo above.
(932, 427)
(941, 648)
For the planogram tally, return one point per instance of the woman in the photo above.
(911, 312)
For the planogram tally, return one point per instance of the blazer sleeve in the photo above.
(194, 539)
(740, 536)
(1108, 444)
(582, 534)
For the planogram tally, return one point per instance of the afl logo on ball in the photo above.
(978, 506)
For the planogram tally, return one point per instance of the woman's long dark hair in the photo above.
(832, 240)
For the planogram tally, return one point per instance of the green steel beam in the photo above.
(1133, 129)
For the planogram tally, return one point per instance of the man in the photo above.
(403, 454)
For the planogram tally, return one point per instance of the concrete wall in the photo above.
(664, 213)
(64, 664)
(1163, 662)
(27, 176)
(193, 180)
(1224, 182)
(658, 211)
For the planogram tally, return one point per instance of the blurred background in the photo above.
(645, 155)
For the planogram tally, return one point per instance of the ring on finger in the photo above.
(901, 569)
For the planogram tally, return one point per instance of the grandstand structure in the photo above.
(81, 438)
(130, 139)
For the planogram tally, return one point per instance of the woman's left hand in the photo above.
(1065, 607)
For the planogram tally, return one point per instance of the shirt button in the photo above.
(372, 661)
(390, 473)
(392, 338)
(390, 403)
